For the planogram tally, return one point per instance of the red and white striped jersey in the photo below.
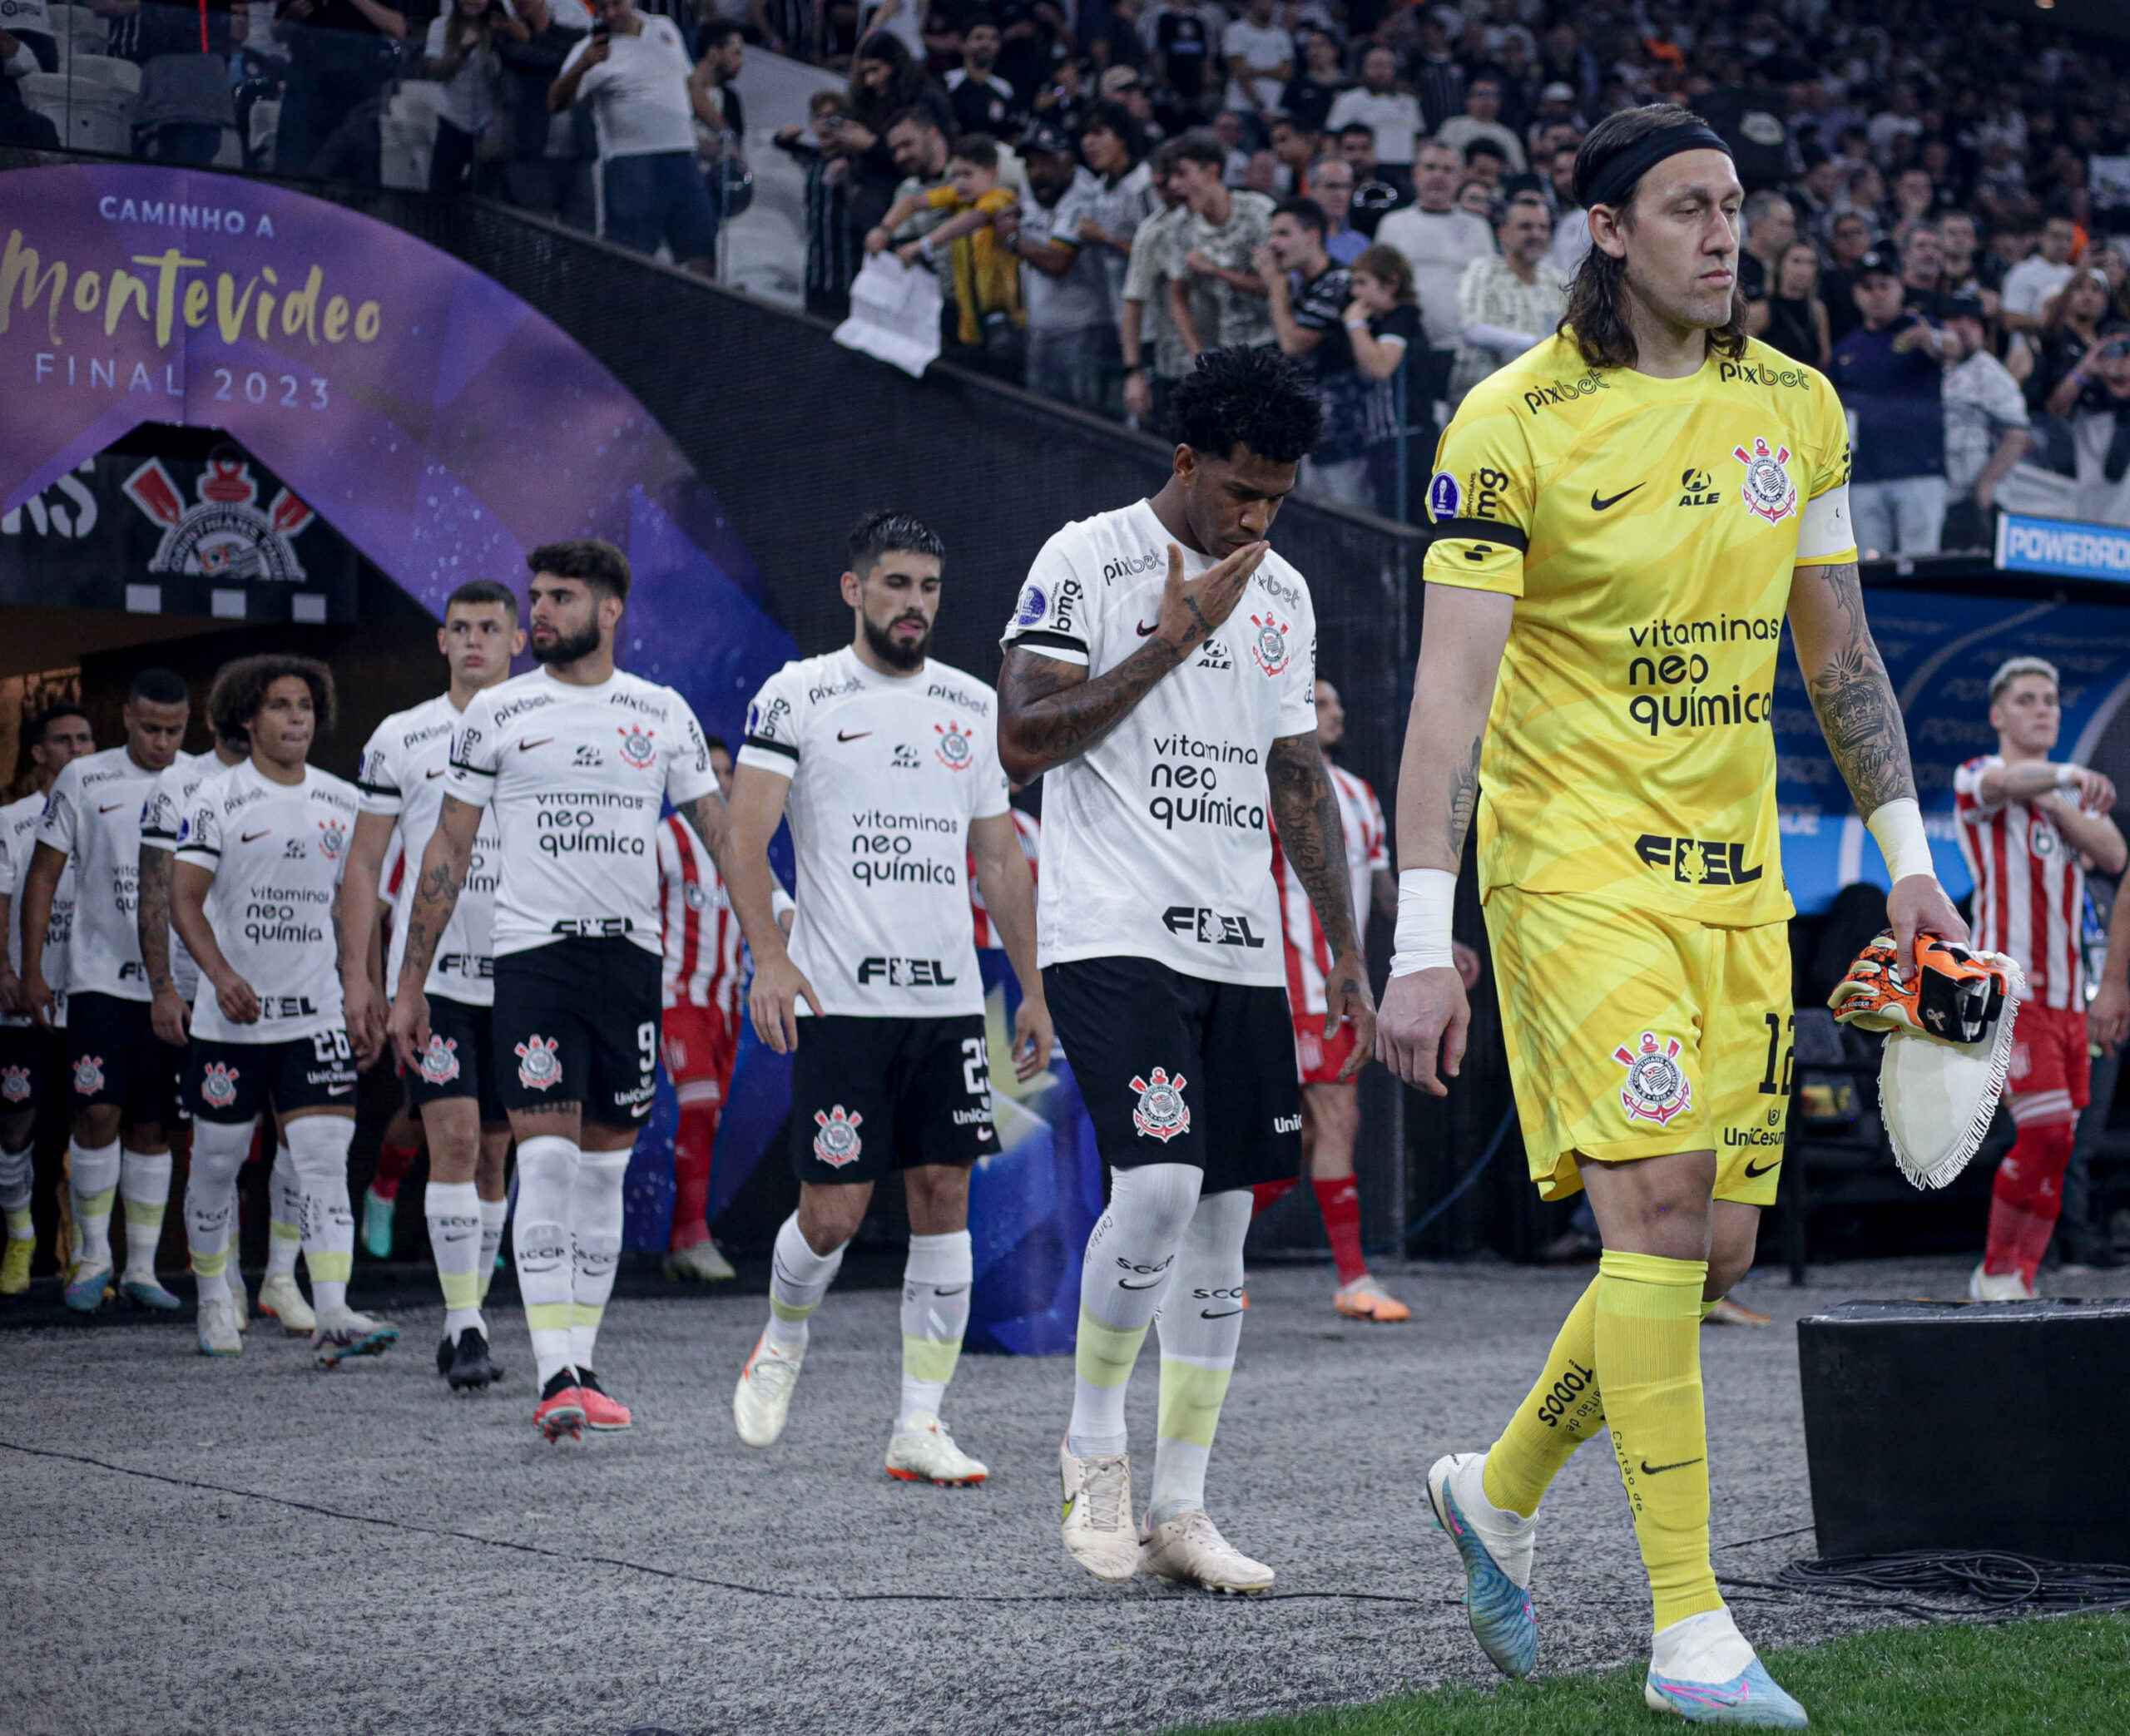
(2029, 888)
(702, 936)
(1368, 849)
(1029, 830)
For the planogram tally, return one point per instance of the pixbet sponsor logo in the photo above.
(1130, 566)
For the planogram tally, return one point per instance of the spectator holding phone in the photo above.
(463, 53)
(341, 54)
(1890, 373)
(832, 250)
(2095, 397)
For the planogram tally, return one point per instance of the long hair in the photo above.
(2056, 312)
(1596, 316)
(905, 80)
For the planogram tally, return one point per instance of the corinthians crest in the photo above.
(1769, 492)
(837, 1143)
(1656, 1087)
(225, 534)
(1161, 1113)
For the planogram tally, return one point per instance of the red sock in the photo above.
(2027, 1199)
(1340, 1203)
(1267, 1194)
(692, 1145)
(393, 1163)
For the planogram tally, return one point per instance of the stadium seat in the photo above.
(90, 117)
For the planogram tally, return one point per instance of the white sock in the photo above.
(218, 1150)
(284, 1214)
(1199, 1323)
(798, 1279)
(935, 1287)
(546, 1175)
(18, 1177)
(92, 1179)
(595, 1232)
(317, 1147)
(493, 1215)
(144, 1185)
(1704, 1648)
(453, 1211)
(1130, 1259)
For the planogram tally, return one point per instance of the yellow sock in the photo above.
(1561, 1412)
(1648, 1341)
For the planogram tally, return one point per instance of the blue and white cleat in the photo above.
(377, 1225)
(1495, 1548)
(342, 1333)
(1703, 1670)
(86, 1291)
(217, 1329)
(146, 1293)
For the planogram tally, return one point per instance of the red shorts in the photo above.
(701, 1050)
(1318, 1059)
(2052, 1064)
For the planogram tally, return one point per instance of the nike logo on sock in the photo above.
(1650, 1470)
(1123, 1285)
(1207, 1314)
(956, 1291)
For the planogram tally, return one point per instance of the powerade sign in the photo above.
(2064, 549)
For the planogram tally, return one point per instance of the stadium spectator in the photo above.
(1790, 315)
(1849, 239)
(1308, 294)
(1067, 292)
(184, 53)
(1889, 372)
(1571, 222)
(1294, 149)
(1330, 184)
(721, 114)
(1986, 425)
(1510, 302)
(1231, 129)
(1391, 115)
(1215, 297)
(886, 86)
(2029, 285)
(1438, 242)
(985, 307)
(918, 148)
(832, 246)
(340, 58)
(1438, 76)
(1180, 40)
(1383, 322)
(2070, 331)
(1148, 325)
(1311, 91)
(1922, 271)
(1118, 198)
(1770, 225)
(546, 170)
(1481, 120)
(1373, 194)
(1958, 241)
(19, 123)
(982, 100)
(463, 52)
(2098, 393)
(1484, 163)
(1260, 57)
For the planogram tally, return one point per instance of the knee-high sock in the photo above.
(283, 1215)
(798, 1279)
(1561, 1412)
(692, 1145)
(17, 1179)
(1200, 1324)
(935, 1287)
(1340, 1203)
(1130, 1259)
(547, 1178)
(219, 1148)
(393, 1163)
(144, 1185)
(1648, 1341)
(92, 1179)
(317, 1147)
(453, 1210)
(595, 1229)
(2028, 1196)
(493, 1212)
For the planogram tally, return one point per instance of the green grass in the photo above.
(2068, 1676)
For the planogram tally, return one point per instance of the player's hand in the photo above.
(1420, 1034)
(1139, 394)
(408, 1026)
(1468, 965)
(1918, 905)
(2107, 1019)
(172, 1017)
(1347, 999)
(240, 1006)
(35, 998)
(773, 1002)
(2096, 792)
(10, 992)
(1192, 609)
(366, 1015)
(1032, 1037)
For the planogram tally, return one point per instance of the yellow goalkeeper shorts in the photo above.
(1634, 1033)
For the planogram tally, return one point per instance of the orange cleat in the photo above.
(605, 1415)
(1724, 1311)
(1364, 1300)
(561, 1409)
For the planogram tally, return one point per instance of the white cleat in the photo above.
(925, 1452)
(281, 1297)
(762, 1400)
(240, 1303)
(1097, 1525)
(1190, 1549)
(218, 1330)
(341, 1332)
(701, 1264)
(1998, 1287)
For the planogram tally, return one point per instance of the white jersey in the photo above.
(576, 775)
(1368, 853)
(276, 851)
(404, 774)
(887, 772)
(93, 813)
(1156, 841)
(161, 816)
(18, 824)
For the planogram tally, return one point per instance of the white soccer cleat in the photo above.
(1097, 1525)
(341, 1332)
(1190, 1549)
(701, 1264)
(762, 1400)
(925, 1452)
(1998, 1287)
(240, 1302)
(218, 1333)
(281, 1297)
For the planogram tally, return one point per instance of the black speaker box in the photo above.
(1969, 1426)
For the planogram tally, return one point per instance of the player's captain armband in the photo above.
(1824, 533)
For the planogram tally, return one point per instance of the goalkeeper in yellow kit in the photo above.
(1626, 517)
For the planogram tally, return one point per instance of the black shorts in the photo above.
(575, 1021)
(870, 1095)
(461, 1060)
(231, 1082)
(113, 1056)
(31, 1058)
(1177, 1070)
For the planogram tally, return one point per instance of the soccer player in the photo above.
(32, 1054)
(1160, 667)
(2029, 828)
(256, 897)
(451, 1083)
(575, 758)
(699, 1032)
(124, 1077)
(888, 765)
(1625, 517)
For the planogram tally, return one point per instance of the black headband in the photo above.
(1615, 182)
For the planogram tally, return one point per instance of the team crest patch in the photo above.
(439, 1064)
(694, 896)
(1656, 1087)
(1034, 606)
(1161, 1113)
(1769, 492)
(15, 1084)
(1268, 643)
(218, 1086)
(636, 748)
(538, 1066)
(332, 839)
(88, 1074)
(1444, 496)
(837, 1143)
(954, 752)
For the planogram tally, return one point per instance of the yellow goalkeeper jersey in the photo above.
(1648, 529)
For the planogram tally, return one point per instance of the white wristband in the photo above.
(2067, 774)
(1897, 826)
(1425, 897)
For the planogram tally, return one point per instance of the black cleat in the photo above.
(445, 1350)
(470, 1366)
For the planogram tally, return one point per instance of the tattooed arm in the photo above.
(1305, 812)
(435, 895)
(167, 1011)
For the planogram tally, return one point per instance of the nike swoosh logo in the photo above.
(252, 838)
(113, 809)
(527, 747)
(1207, 1314)
(1148, 1285)
(1750, 1172)
(956, 1291)
(1145, 631)
(338, 1090)
(438, 773)
(852, 735)
(1650, 1470)
(1601, 505)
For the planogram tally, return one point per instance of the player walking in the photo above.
(575, 758)
(1600, 653)
(1160, 666)
(256, 897)
(452, 1083)
(124, 1078)
(888, 765)
(2029, 828)
(32, 1054)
